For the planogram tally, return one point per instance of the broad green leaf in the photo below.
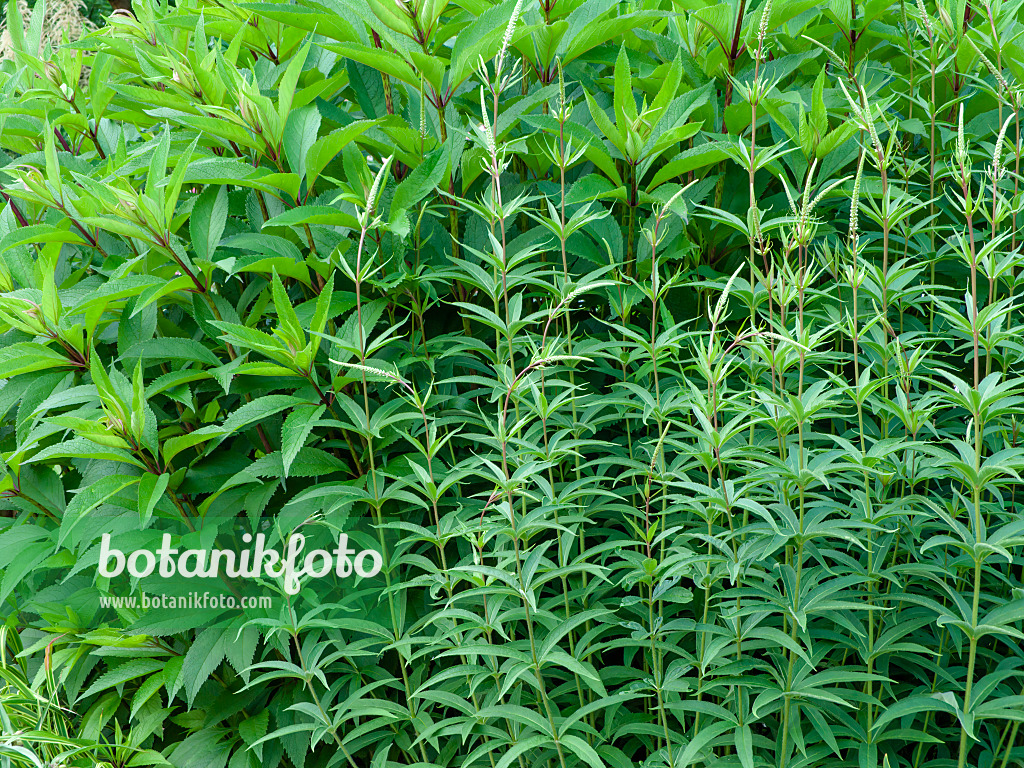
(151, 488)
(295, 430)
(207, 221)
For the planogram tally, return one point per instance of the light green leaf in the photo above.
(151, 488)
(208, 219)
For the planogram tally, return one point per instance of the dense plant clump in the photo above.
(668, 353)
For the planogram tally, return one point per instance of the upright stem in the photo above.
(373, 469)
(966, 189)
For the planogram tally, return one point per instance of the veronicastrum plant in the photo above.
(668, 354)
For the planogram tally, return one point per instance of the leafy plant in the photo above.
(667, 353)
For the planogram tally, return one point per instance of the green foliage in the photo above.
(668, 352)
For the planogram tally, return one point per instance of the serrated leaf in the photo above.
(207, 221)
(151, 488)
(295, 430)
(202, 659)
